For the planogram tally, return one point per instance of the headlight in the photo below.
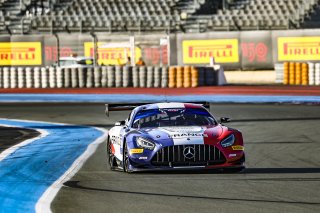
(145, 143)
(229, 141)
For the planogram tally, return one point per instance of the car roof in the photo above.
(168, 105)
(78, 58)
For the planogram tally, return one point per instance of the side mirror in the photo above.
(225, 120)
(120, 123)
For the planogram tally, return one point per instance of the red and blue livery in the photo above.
(168, 136)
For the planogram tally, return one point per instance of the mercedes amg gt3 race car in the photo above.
(167, 136)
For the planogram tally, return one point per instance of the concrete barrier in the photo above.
(127, 76)
(59, 77)
(75, 79)
(29, 77)
(6, 77)
(311, 72)
(279, 70)
(210, 76)
(150, 76)
(104, 77)
(157, 77)
(194, 77)
(44, 77)
(37, 77)
(52, 77)
(118, 76)
(179, 76)
(317, 74)
(135, 77)
(67, 77)
(21, 77)
(111, 76)
(172, 77)
(1, 77)
(89, 79)
(296, 73)
(79, 77)
(164, 77)
(142, 76)
(97, 77)
(187, 76)
(304, 74)
(13, 77)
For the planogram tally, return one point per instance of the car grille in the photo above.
(175, 156)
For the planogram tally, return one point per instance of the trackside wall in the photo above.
(241, 50)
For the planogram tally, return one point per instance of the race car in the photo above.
(172, 136)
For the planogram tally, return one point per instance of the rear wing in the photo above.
(121, 107)
(131, 106)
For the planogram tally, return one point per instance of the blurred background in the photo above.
(101, 43)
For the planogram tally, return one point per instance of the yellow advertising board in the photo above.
(200, 51)
(110, 55)
(298, 48)
(20, 53)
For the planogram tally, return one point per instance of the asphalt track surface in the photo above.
(12, 136)
(283, 166)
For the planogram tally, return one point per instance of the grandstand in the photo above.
(48, 16)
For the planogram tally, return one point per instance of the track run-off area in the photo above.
(32, 172)
(64, 169)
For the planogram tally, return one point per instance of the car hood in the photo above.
(181, 135)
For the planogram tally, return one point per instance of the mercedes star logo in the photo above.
(188, 152)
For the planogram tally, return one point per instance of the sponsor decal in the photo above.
(51, 53)
(136, 151)
(200, 51)
(110, 55)
(20, 53)
(238, 147)
(298, 48)
(143, 158)
(116, 139)
(254, 52)
(186, 129)
(184, 135)
(232, 155)
(156, 55)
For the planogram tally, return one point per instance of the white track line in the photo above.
(44, 203)
(12, 149)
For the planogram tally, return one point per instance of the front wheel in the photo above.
(125, 161)
(111, 158)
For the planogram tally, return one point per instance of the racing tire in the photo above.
(111, 158)
(126, 161)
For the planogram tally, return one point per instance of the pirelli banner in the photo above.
(21, 51)
(299, 48)
(235, 50)
(245, 50)
(249, 50)
(197, 49)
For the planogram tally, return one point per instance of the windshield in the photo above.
(173, 117)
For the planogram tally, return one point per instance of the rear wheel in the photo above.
(111, 159)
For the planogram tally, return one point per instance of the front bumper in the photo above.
(172, 158)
